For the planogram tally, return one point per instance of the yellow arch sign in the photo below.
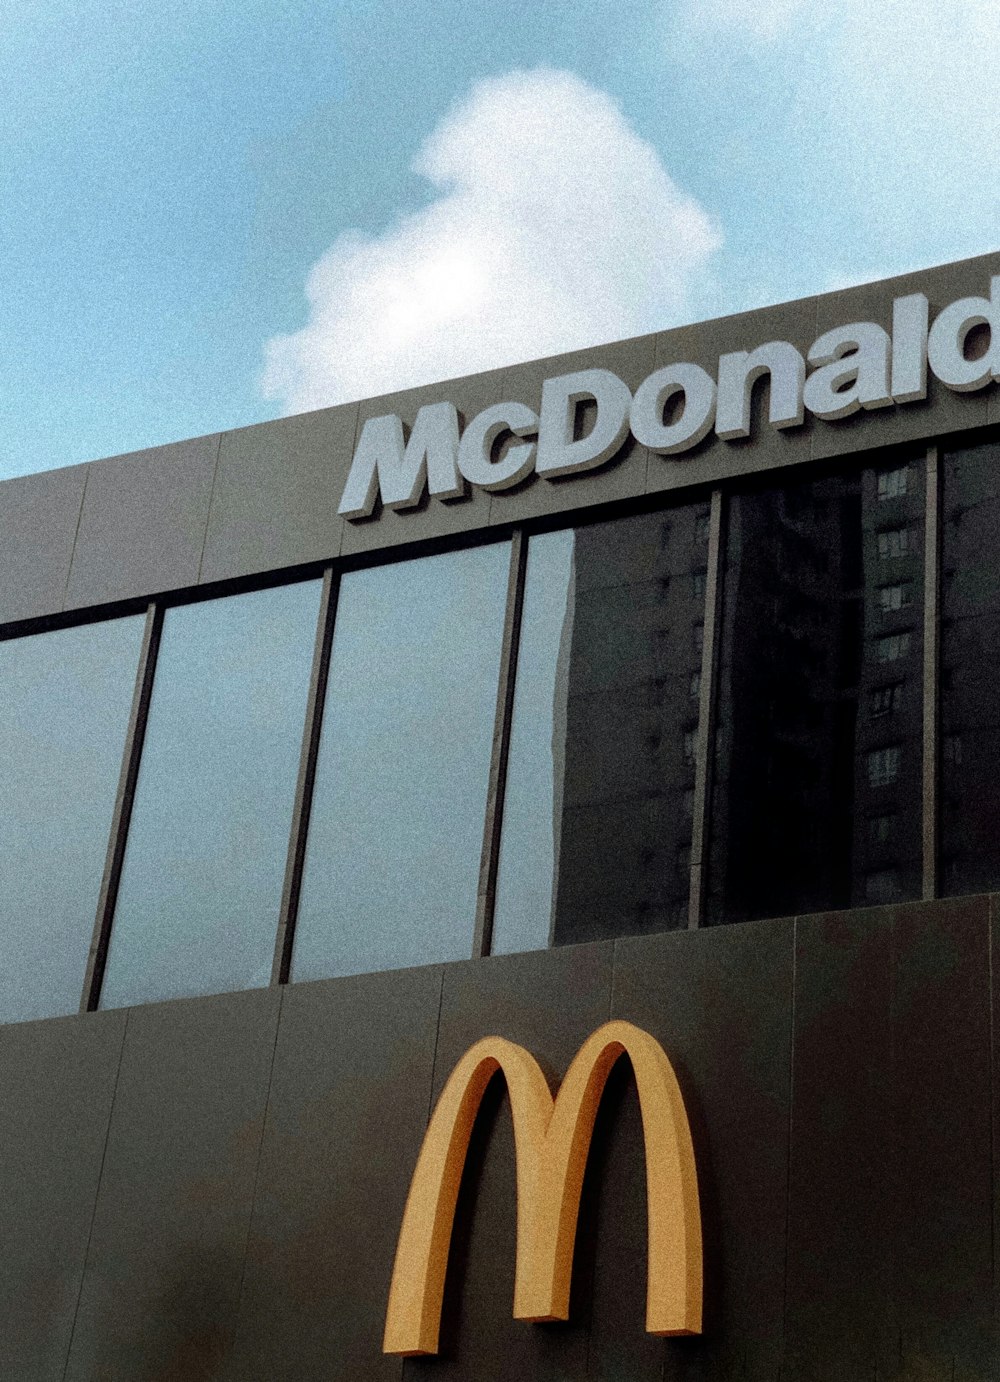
(551, 1144)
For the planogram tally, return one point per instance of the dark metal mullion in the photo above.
(704, 752)
(124, 800)
(490, 857)
(931, 671)
(295, 860)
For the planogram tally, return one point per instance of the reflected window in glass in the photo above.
(970, 707)
(885, 700)
(893, 647)
(893, 484)
(893, 597)
(596, 811)
(894, 543)
(883, 766)
(803, 696)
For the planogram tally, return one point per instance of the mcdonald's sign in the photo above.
(551, 1143)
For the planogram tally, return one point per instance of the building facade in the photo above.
(655, 683)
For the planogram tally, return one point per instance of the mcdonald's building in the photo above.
(499, 881)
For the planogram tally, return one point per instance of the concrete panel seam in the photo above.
(788, 1152)
(437, 1039)
(991, 917)
(208, 508)
(812, 431)
(260, 1155)
(97, 1194)
(76, 534)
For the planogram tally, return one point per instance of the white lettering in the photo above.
(558, 452)
(855, 366)
(740, 370)
(381, 463)
(697, 410)
(475, 451)
(946, 342)
(853, 373)
(909, 348)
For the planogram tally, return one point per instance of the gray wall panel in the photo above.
(720, 1002)
(347, 1112)
(941, 1134)
(38, 520)
(57, 1080)
(846, 1184)
(165, 1263)
(142, 529)
(276, 493)
(839, 1273)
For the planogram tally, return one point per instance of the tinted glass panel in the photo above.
(395, 838)
(597, 821)
(532, 819)
(204, 866)
(65, 700)
(970, 638)
(819, 753)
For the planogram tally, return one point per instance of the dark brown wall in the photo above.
(211, 1189)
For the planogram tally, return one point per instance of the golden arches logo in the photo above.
(551, 1144)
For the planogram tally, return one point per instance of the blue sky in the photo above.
(212, 213)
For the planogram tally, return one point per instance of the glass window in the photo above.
(596, 812)
(204, 865)
(65, 699)
(970, 638)
(803, 697)
(395, 838)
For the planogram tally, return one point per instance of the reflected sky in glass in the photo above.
(533, 808)
(395, 837)
(204, 865)
(65, 699)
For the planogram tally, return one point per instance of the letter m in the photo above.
(551, 1143)
(401, 473)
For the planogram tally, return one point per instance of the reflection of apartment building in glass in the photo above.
(298, 807)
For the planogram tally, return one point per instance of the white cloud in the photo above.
(555, 227)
